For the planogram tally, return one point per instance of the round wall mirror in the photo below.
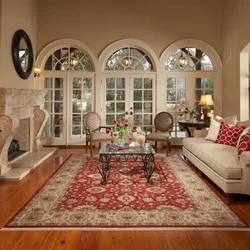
(22, 54)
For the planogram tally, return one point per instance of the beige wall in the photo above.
(16, 14)
(236, 36)
(159, 23)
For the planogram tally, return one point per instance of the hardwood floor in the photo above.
(13, 195)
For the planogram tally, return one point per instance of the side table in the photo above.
(199, 124)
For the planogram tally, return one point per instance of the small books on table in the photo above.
(119, 147)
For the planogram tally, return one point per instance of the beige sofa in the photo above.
(219, 163)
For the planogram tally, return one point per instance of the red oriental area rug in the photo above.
(75, 198)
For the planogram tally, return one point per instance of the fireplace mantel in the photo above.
(11, 98)
(16, 104)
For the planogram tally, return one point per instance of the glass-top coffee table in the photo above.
(144, 154)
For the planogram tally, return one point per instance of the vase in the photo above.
(121, 139)
(140, 138)
(192, 119)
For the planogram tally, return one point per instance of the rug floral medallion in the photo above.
(75, 197)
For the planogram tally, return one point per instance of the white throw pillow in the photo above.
(231, 120)
(213, 130)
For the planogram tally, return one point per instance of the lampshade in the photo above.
(206, 100)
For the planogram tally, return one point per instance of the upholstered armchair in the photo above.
(161, 131)
(92, 125)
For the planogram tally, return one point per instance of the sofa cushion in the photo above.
(243, 123)
(229, 135)
(224, 162)
(219, 157)
(190, 142)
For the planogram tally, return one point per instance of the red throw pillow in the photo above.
(244, 144)
(229, 135)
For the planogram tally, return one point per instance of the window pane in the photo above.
(110, 119)
(76, 130)
(58, 83)
(171, 95)
(148, 119)
(137, 95)
(110, 83)
(110, 107)
(181, 83)
(171, 83)
(76, 119)
(77, 83)
(76, 107)
(137, 119)
(137, 107)
(58, 107)
(148, 95)
(120, 95)
(49, 95)
(120, 107)
(110, 95)
(58, 95)
(148, 83)
(48, 83)
(77, 94)
(87, 95)
(120, 84)
(87, 83)
(148, 107)
(137, 83)
(181, 95)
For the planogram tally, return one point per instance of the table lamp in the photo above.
(206, 100)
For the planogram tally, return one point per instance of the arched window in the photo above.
(69, 58)
(188, 59)
(192, 69)
(129, 59)
(68, 73)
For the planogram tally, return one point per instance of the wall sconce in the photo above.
(206, 100)
(37, 72)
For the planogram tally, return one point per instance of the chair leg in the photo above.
(87, 142)
(156, 146)
(167, 148)
(91, 149)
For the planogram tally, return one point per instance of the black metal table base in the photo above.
(146, 159)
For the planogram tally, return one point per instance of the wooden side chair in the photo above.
(161, 131)
(92, 125)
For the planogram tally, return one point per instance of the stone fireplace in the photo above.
(19, 109)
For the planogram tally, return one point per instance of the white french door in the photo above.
(178, 97)
(69, 98)
(80, 102)
(130, 96)
(184, 89)
(55, 100)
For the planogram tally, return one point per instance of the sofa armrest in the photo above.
(200, 133)
(245, 159)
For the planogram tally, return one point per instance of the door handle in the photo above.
(131, 113)
(126, 113)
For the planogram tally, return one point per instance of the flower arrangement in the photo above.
(193, 113)
(120, 129)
